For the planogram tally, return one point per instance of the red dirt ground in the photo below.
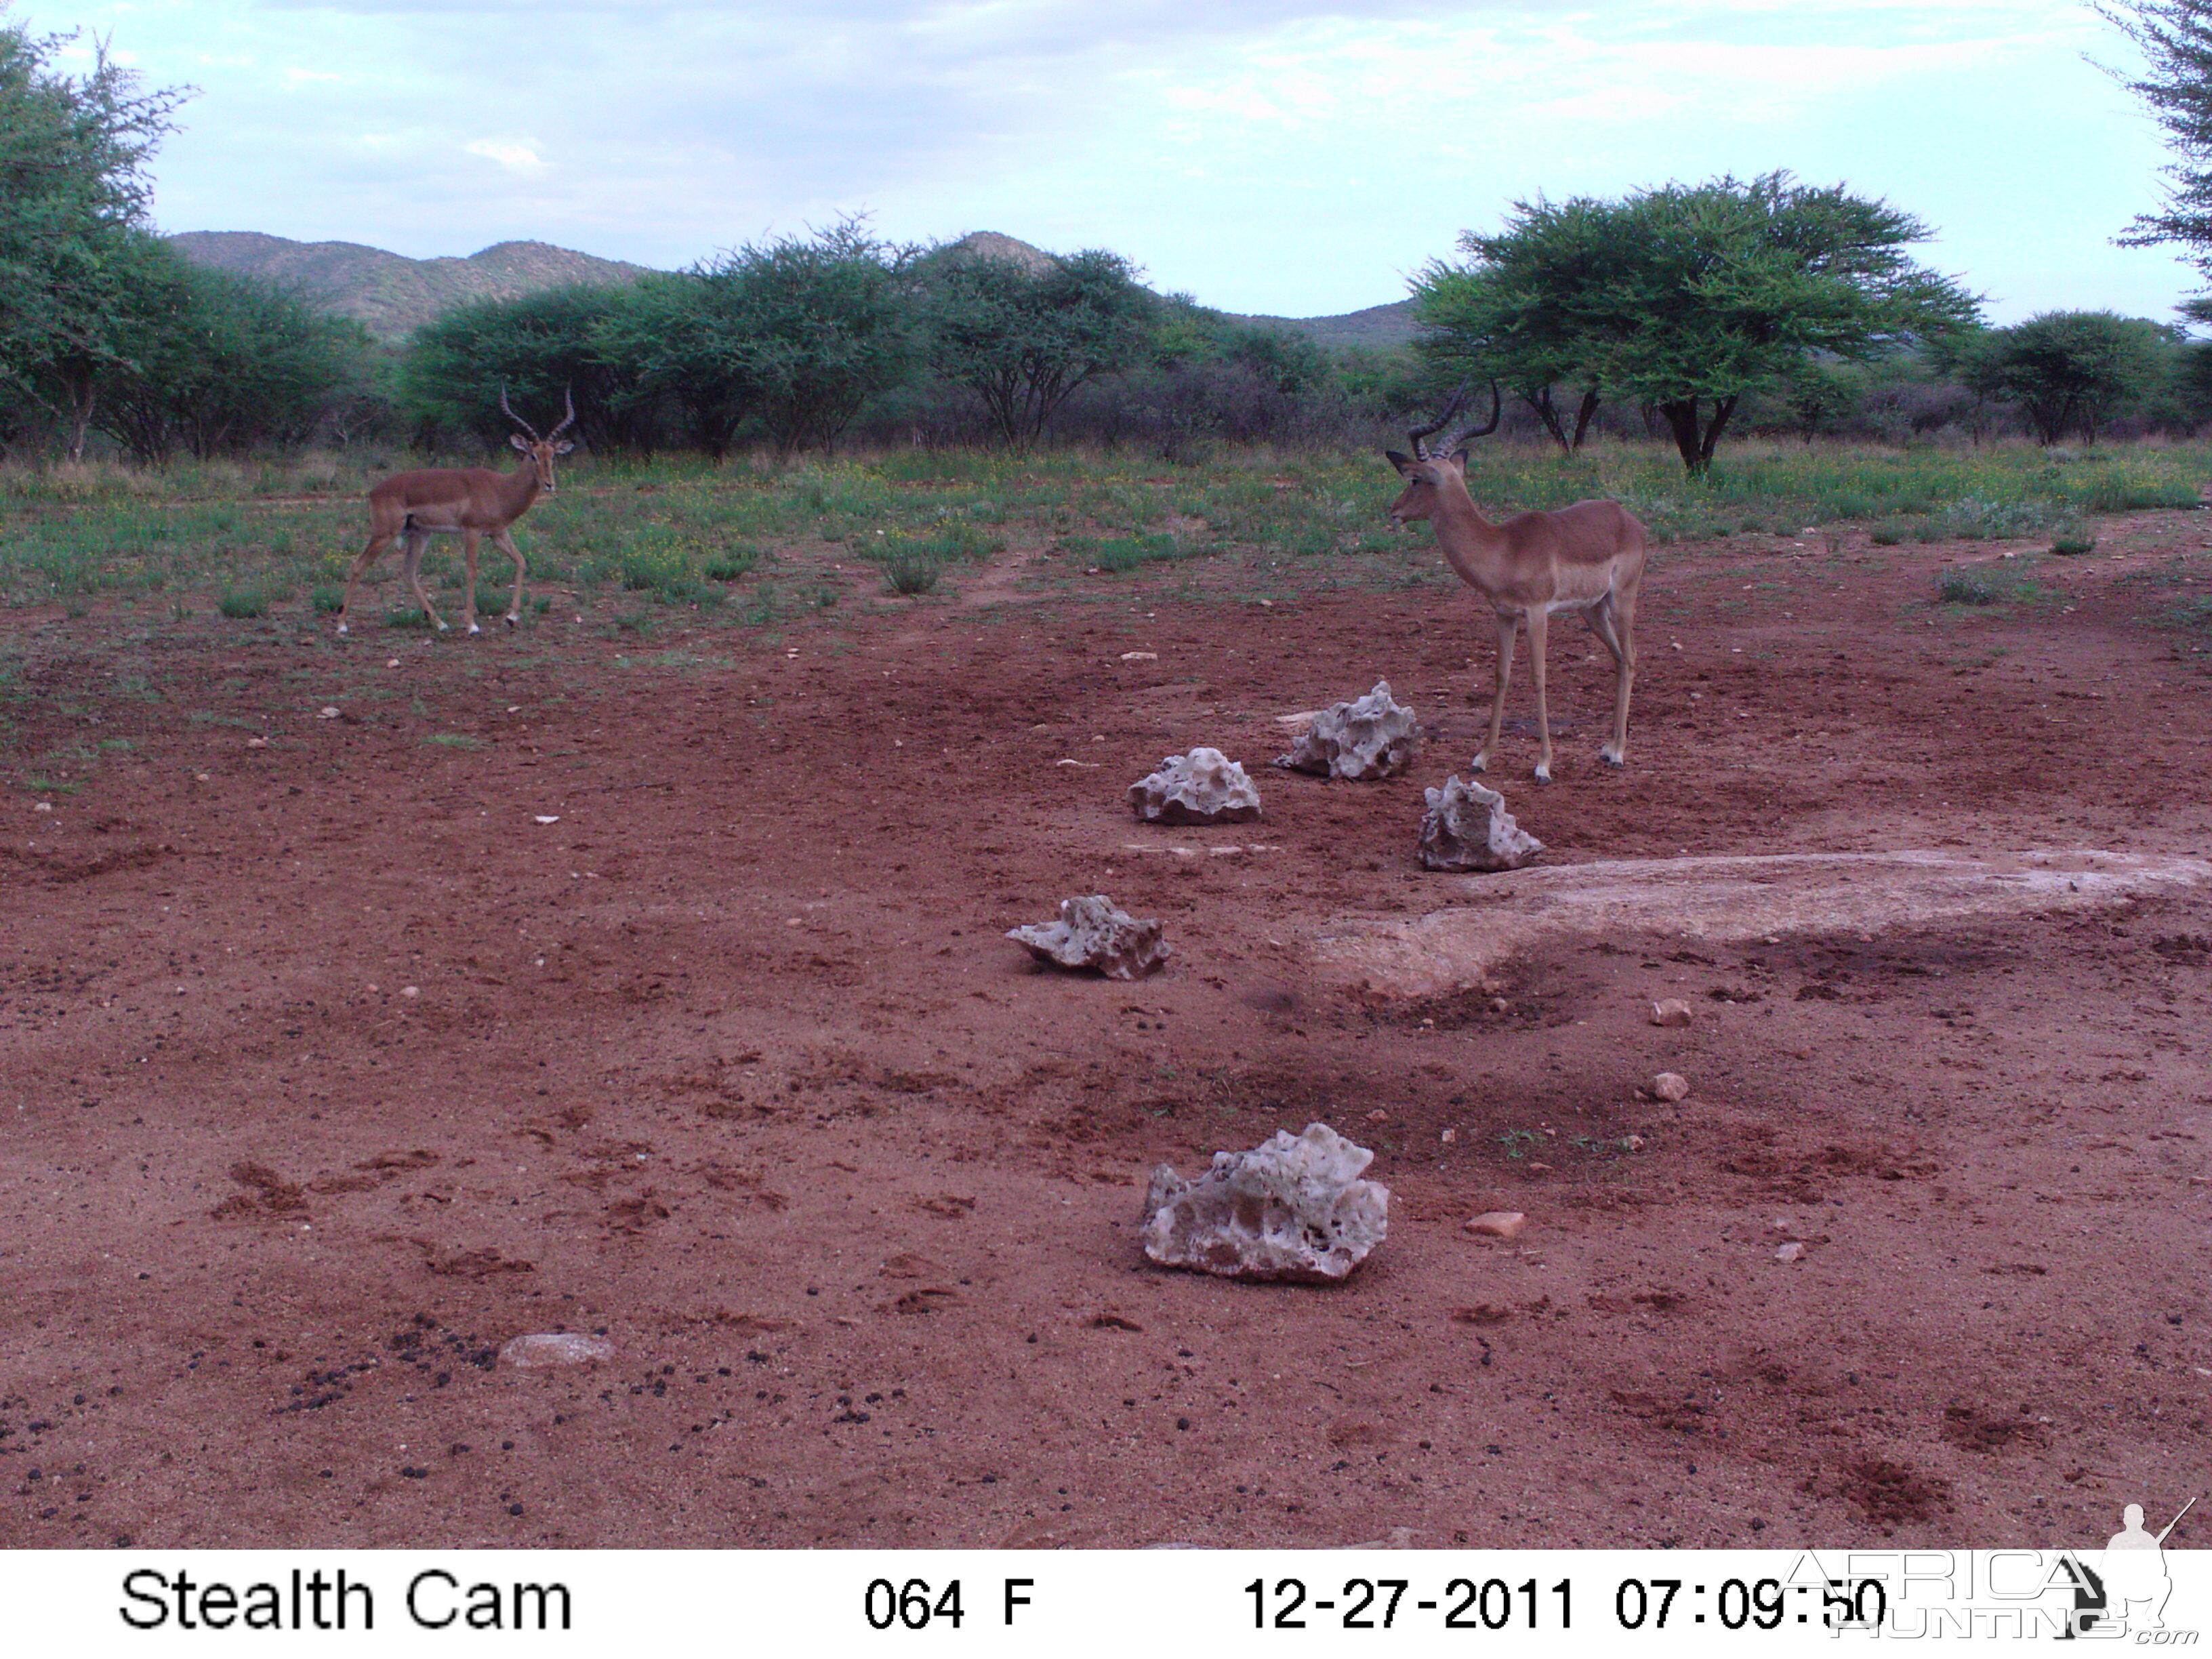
(329, 1068)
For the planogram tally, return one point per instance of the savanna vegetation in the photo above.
(1733, 356)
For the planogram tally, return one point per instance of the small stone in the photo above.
(1203, 787)
(1093, 933)
(1292, 1208)
(1371, 738)
(1793, 1251)
(1673, 1012)
(411, 990)
(1450, 1137)
(42, 806)
(257, 742)
(1140, 656)
(1671, 1085)
(326, 713)
(1378, 1117)
(1467, 826)
(556, 1348)
(1634, 1143)
(1498, 1224)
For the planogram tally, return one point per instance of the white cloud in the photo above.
(520, 158)
(1265, 155)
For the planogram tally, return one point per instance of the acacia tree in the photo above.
(73, 205)
(798, 332)
(1688, 297)
(2070, 371)
(1024, 338)
(1511, 314)
(2175, 37)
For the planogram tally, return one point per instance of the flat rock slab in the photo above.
(1733, 898)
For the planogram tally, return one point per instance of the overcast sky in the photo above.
(1263, 155)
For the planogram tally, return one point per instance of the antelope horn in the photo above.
(1418, 432)
(1496, 404)
(568, 397)
(512, 416)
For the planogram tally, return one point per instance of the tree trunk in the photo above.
(1582, 416)
(1694, 438)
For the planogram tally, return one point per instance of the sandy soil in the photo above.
(559, 981)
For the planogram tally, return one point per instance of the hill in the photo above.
(1378, 328)
(392, 294)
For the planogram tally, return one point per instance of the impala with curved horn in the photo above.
(470, 502)
(1588, 557)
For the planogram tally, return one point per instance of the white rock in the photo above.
(1498, 1224)
(556, 1348)
(1467, 826)
(1093, 932)
(1293, 1208)
(1671, 1085)
(1673, 1012)
(1371, 738)
(1793, 1251)
(1204, 786)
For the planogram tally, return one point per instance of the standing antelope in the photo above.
(470, 502)
(1588, 557)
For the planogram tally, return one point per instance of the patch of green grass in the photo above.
(242, 602)
(454, 740)
(1988, 584)
(912, 573)
(2074, 538)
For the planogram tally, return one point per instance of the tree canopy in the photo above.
(73, 201)
(2175, 37)
(2070, 371)
(1024, 339)
(1686, 297)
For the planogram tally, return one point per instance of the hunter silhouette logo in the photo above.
(2127, 1590)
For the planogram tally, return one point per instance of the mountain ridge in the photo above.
(394, 295)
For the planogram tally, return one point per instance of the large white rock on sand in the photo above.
(1293, 1208)
(1370, 737)
(1204, 786)
(1467, 826)
(1094, 932)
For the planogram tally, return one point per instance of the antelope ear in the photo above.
(516, 439)
(1402, 462)
(1459, 458)
(563, 447)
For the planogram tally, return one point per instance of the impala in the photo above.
(470, 502)
(1588, 557)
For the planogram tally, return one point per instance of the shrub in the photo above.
(910, 572)
(244, 602)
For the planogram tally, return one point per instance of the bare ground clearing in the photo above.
(329, 1068)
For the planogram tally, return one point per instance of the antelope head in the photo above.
(541, 450)
(1424, 472)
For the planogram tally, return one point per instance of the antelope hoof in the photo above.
(1613, 756)
(442, 628)
(342, 629)
(512, 619)
(474, 630)
(1480, 763)
(1543, 774)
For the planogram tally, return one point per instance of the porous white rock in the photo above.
(1467, 826)
(1292, 1208)
(1094, 932)
(1673, 1012)
(1204, 786)
(1670, 1085)
(1371, 738)
(556, 1348)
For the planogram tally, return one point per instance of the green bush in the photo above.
(911, 573)
(243, 602)
(1957, 587)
